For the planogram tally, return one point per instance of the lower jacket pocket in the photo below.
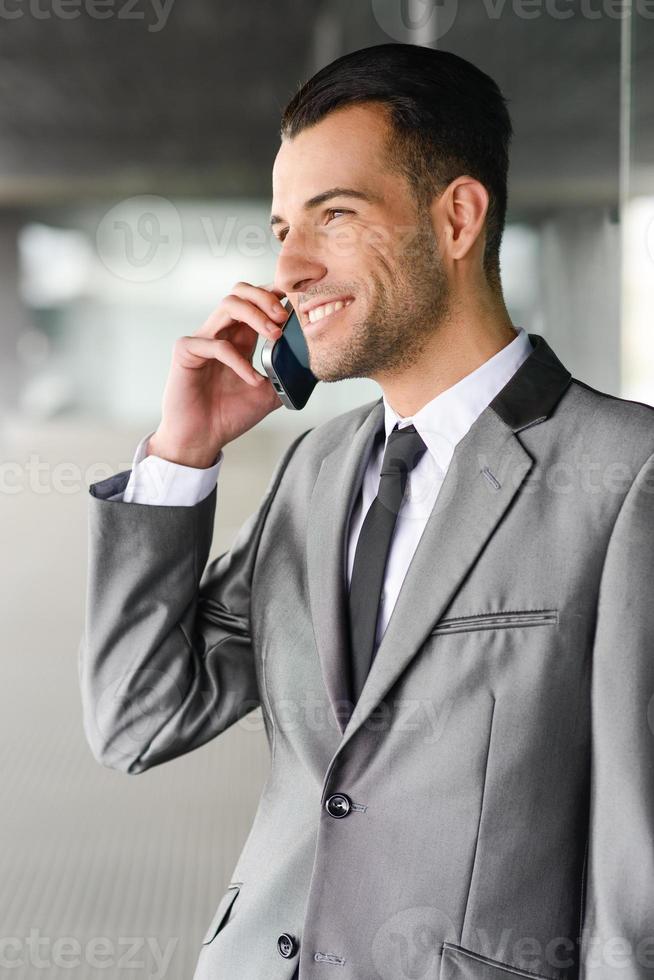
(222, 913)
(458, 963)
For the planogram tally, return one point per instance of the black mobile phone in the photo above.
(286, 362)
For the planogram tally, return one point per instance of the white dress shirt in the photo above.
(441, 423)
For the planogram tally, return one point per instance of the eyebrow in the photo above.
(314, 202)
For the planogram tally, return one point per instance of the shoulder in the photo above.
(618, 426)
(300, 463)
(334, 432)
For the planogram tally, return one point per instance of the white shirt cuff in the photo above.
(154, 480)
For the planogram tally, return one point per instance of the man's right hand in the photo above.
(213, 394)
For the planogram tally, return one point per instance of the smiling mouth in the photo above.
(319, 313)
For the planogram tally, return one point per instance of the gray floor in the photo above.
(87, 852)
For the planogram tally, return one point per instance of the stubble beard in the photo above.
(402, 319)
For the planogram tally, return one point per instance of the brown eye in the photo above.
(337, 211)
(329, 211)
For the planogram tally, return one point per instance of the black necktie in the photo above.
(403, 450)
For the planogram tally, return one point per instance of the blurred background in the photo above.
(136, 147)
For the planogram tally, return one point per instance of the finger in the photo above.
(194, 351)
(272, 288)
(234, 309)
(265, 297)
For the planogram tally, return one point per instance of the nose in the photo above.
(296, 269)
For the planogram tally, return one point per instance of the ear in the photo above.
(458, 215)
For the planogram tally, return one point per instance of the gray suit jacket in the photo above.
(493, 790)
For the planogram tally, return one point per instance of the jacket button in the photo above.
(338, 805)
(287, 945)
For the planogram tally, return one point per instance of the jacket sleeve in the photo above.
(618, 928)
(165, 661)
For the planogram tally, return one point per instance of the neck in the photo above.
(462, 342)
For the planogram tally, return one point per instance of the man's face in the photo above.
(375, 251)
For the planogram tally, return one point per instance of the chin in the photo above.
(325, 372)
(333, 373)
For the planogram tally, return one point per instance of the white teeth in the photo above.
(320, 311)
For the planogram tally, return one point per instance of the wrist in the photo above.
(201, 458)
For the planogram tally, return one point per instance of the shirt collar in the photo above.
(444, 420)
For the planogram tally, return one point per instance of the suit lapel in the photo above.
(333, 498)
(487, 469)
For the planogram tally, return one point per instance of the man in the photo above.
(442, 604)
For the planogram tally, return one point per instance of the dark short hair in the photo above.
(447, 117)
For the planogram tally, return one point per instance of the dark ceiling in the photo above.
(96, 107)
